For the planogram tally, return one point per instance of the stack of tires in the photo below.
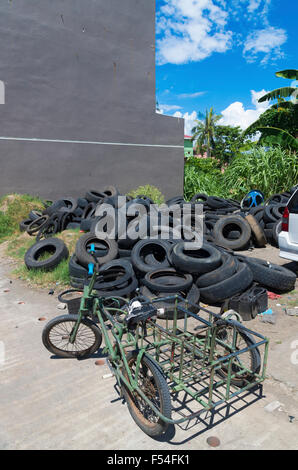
(161, 268)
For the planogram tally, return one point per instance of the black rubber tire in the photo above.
(89, 210)
(199, 198)
(217, 202)
(252, 355)
(85, 258)
(37, 224)
(120, 271)
(169, 307)
(82, 202)
(232, 223)
(199, 261)
(50, 244)
(278, 210)
(95, 196)
(271, 276)
(77, 282)
(158, 381)
(34, 214)
(70, 205)
(53, 208)
(49, 228)
(24, 225)
(85, 225)
(75, 269)
(269, 215)
(143, 247)
(223, 272)
(257, 231)
(257, 212)
(94, 331)
(124, 253)
(120, 291)
(276, 231)
(223, 290)
(110, 191)
(169, 280)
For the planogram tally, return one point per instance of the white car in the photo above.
(288, 237)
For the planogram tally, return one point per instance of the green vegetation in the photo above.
(204, 133)
(270, 170)
(239, 163)
(13, 209)
(150, 191)
(17, 247)
(202, 175)
(279, 124)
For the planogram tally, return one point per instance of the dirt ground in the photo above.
(52, 403)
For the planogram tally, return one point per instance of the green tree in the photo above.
(228, 142)
(278, 125)
(203, 132)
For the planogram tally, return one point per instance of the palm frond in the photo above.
(284, 92)
(291, 74)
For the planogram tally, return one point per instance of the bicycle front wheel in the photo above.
(56, 337)
(153, 384)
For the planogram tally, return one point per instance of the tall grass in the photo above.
(272, 170)
(203, 176)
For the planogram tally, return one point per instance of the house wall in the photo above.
(79, 108)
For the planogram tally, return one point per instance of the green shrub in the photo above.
(13, 209)
(202, 175)
(272, 170)
(149, 191)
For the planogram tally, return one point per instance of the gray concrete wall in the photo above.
(83, 71)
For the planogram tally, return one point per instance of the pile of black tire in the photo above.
(156, 267)
(231, 226)
(269, 216)
(162, 268)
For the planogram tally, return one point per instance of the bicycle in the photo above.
(148, 358)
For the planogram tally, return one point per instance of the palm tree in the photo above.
(203, 132)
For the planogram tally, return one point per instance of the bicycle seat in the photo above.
(139, 313)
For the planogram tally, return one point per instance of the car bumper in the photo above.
(288, 249)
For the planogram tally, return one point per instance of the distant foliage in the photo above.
(150, 191)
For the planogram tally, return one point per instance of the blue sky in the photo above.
(222, 54)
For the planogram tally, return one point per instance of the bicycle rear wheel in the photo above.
(153, 384)
(57, 332)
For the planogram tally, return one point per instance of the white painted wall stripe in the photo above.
(60, 141)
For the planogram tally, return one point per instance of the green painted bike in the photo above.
(209, 359)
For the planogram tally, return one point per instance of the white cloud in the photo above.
(237, 115)
(169, 107)
(189, 120)
(234, 115)
(192, 95)
(192, 30)
(266, 41)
